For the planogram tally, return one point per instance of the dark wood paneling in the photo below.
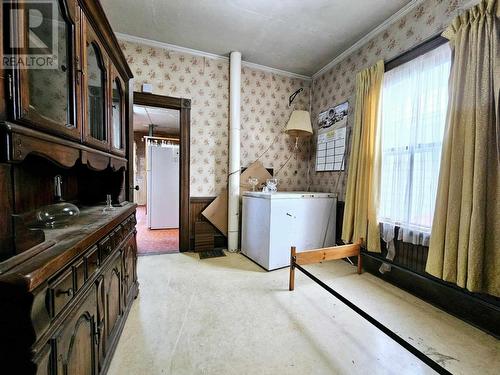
(481, 311)
(197, 205)
(203, 236)
(153, 100)
(184, 232)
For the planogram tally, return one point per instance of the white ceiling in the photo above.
(165, 120)
(298, 36)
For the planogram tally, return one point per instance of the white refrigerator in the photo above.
(274, 222)
(163, 186)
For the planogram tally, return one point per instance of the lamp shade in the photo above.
(299, 124)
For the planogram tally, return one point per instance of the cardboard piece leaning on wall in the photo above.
(216, 212)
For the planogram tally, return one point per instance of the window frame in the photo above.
(415, 52)
(397, 61)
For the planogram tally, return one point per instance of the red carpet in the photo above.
(157, 240)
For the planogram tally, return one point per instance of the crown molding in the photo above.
(384, 25)
(176, 48)
(276, 71)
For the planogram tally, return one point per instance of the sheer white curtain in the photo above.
(414, 104)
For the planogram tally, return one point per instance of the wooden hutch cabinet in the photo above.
(67, 276)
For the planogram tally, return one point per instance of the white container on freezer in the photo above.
(273, 222)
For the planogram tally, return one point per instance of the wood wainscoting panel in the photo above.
(196, 207)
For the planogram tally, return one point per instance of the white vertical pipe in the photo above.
(233, 209)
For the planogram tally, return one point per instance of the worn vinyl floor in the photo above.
(227, 316)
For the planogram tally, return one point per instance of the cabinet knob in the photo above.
(68, 292)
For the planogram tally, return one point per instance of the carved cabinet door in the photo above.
(43, 362)
(46, 96)
(95, 88)
(101, 321)
(113, 297)
(129, 267)
(117, 112)
(75, 344)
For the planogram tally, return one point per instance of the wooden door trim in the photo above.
(184, 107)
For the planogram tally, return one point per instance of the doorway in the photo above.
(161, 172)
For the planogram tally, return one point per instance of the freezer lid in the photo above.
(288, 195)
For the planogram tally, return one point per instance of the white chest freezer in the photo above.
(273, 222)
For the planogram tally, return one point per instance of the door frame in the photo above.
(184, 108)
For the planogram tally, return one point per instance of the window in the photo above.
(414, 105)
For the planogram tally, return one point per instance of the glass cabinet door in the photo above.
(117, 114)
(46, 90)
(95, 93)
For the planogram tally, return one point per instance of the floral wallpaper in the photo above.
(264, 101)
(337, 85)
(264, 113)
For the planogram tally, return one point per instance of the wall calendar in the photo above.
(332, 135)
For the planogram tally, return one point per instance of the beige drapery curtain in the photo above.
(360, 213)
(465, 238)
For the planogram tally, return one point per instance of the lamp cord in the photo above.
(272, 143)
(295, 149)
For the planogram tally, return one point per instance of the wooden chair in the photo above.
(321, 255)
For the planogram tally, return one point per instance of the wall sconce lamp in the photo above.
(299, 125)
(292, 97)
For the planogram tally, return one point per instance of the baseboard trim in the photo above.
(464, 306)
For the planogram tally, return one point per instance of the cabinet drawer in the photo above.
(79, 273)
(129, 224)
(61, 291)
(116, 236)
(105, 248)
(92, 259)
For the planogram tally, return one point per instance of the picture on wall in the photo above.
(332, 134)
